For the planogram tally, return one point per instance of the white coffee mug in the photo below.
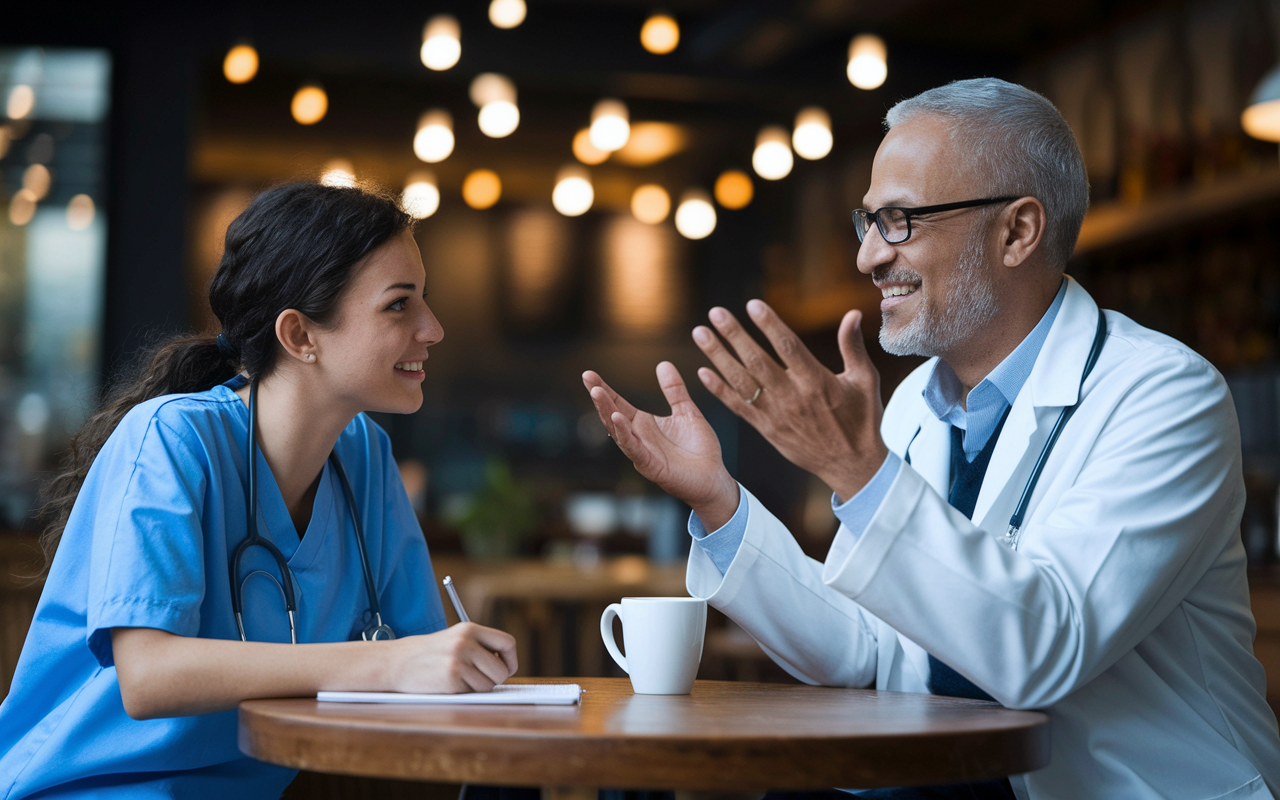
(664, 641)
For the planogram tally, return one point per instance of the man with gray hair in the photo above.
(1046, 513)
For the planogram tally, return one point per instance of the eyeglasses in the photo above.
(895, 223)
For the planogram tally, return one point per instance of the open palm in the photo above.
(679, 452)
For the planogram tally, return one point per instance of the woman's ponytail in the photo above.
(176, 366)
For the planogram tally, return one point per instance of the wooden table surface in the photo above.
(724, 736)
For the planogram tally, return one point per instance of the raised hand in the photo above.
(824, 423)
(678, 452)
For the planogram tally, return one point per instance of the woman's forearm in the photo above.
(165, 675)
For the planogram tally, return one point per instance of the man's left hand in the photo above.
(824, 423)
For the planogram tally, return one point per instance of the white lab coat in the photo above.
(1124, 611)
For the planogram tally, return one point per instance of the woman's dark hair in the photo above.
(295, 246)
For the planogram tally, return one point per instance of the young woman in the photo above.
(150, 629)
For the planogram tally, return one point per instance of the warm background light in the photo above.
(441, 43)
(868, 61)
(434, 140)
(22, 207)
(772, 157)
(812, 136)
(1262, 121)
(651, 142)
(695, 217)
(507, 14)
(650, 204)
(585, 151)
(309, 105)
(573, 194)
(22, 99)
(80, 212)
(338, 172)
(660, 34)
(421, 196)
(37, 179)
(496, 96)
(481, 189)
(610, 125)
(241, 64)
(734, 189)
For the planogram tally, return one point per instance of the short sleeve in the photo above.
(146, 489)
(407, 589)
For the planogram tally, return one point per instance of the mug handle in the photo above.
(606, 633)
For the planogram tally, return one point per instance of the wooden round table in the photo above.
(724, 736)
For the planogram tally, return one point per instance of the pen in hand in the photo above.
(453, 598)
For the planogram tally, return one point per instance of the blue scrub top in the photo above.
(147, 545)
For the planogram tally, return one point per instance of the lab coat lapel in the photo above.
(1053, 384)
(931, 451)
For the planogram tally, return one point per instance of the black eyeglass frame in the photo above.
(908, 213)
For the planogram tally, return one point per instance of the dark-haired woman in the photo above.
(135, 662)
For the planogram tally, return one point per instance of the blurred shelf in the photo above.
(1111, 224)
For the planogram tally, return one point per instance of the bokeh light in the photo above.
(80, 212)
(610, 125)
(650, 204)
(496, 96)
(695, 217)
(481, 189)
(868, 61)
(22, 99)
(37, 179)
(734, 189)
(573, 194)
(812, 136)
(660, 34)
(310, 104)
(22, 207)
(585, 151)
(241, 64)
(507, 14)
(433, 142)
(338, 172)
(1262, 120)
(421, 196)
(772, 157)
(441, 43)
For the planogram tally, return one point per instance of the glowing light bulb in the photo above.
(37, 178)
(585, 151)
(434, 140)
(695, 217)
(241, 64)
(421, 196)
(22, 99)
(481, 189)
(338, 172)
(812, 136)
(650, 204)
(310, 104)
(441, 43)
(22, 207)
(496, 96)
(507, 14)
(868, 61)
(610, 125)
(772, 158)
(660, 34)
(80, 212)
(734, 189)
(573, 194)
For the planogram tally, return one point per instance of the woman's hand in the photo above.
(464, 658)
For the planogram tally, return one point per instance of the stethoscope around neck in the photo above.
(1010, 537)
(376, 630)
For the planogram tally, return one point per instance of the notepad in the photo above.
(536, 694)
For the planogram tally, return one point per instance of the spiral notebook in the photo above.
(536, 694)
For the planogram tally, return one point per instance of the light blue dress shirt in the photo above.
(943, 393)
(147, 545)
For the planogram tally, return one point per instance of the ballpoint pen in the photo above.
(453, 598)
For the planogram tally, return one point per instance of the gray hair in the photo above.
(1017, 143)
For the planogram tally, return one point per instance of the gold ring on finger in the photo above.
(755, 396)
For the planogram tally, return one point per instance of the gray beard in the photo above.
(971, 304)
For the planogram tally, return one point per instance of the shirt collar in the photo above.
(942, 392)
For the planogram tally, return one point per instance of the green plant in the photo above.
(498, 516)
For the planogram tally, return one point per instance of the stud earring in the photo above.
(311, 356)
